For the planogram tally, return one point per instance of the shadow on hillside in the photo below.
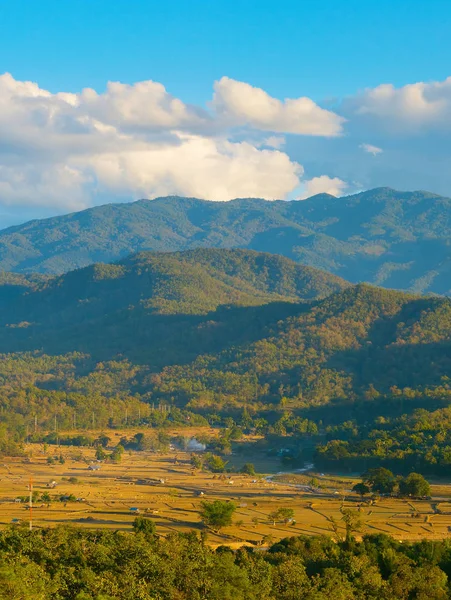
(340, 410)
(388, 358)
(157, 340)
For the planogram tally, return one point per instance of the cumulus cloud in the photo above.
(66, 150)
(242, 104)
(199, 166)
(412, 108)
(370, 149)
(323, 185)
(144, 106)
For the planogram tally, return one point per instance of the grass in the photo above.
(108, 494)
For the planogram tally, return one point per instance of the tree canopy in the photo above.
(217, 514)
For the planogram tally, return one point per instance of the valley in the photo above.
(165, 488)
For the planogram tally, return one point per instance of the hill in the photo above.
(216, 334)
(393, 239)
(223, 329)
(108, 308)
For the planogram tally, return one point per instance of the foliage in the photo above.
(215, 463)
(362, 374)
(282, 514)
(217, 514)
(361, 488)
(380, 480)
(248, 469)
(74, 564)
(414, 485)
(144, 525)
(396, 239)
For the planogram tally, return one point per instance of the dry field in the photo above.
(106, 496)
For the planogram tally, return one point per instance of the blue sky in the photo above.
(289, 48)
(64, 153)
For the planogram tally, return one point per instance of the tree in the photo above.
(281, 514)
(414, 485)
(352, 522)
(103, 440)
(217, 514)
(100, 453)
(144, 525)
(248, 469)
(380, 480)
(215, 463)
(196, 461)
(361, 488)
(117, 453)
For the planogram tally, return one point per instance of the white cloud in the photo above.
(199, 166)
(66, 150)
(411, 108)
(275, 141)
(242, 104)
(370, 149)
(323, 185)
(145, 105)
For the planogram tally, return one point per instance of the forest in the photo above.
(210, 336)
(74, 564)
(382, 236)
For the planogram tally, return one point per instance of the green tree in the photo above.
(144, 525)
(100, 453)
(380, 480)
(281, 514)
(361, 488)
(217, 514)
(414, 485)
(216, 463)
(103, 440)
(117, 453)
(196, 461)
(248, 469)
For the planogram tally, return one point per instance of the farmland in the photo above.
(166, 488)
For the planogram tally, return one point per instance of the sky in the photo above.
(115, 101)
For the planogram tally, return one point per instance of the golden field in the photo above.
(105, 497)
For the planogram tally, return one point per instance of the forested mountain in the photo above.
(393, 239)
(215, 329)
(214, 333)
(147, 300)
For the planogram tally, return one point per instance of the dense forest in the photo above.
(384, 237)
(72, 564)
(211, 335)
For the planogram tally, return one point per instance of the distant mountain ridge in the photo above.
(393, 239)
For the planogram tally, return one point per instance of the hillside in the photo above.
(154, 316)
(393, 239)
(209, 334)
(108, 308)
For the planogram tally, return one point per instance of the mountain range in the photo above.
(218, 318)
(393, 239)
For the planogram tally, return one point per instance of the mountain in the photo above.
(233, 325)
(393, 239)
(107, 308)
(210, 334)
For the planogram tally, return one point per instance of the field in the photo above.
(105, 497)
